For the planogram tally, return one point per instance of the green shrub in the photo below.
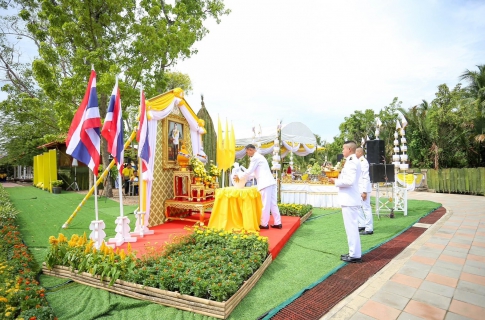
(294, 210)
(207, 263)
(20, 294)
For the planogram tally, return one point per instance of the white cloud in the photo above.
(318, 61)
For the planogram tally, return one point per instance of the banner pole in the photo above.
(101, 178)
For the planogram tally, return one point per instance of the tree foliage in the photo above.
(139, 41)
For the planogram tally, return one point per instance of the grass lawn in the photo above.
(309, 257)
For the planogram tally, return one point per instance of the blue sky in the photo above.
(317, 62)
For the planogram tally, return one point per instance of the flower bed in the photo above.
(294, 210)
(208, 271)
(20, 294)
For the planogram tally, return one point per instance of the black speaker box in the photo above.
(340, 157)
(375, 151)
(381, 173)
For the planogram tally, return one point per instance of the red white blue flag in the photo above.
(83, 138)
(113, 128)
(143, 141)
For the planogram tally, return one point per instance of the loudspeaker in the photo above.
(340, 157)
(381, 173)
(375, 151)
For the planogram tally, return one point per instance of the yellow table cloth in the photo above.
(236, 209)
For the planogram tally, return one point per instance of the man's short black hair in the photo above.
(250, 146)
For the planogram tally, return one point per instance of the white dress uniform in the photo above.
(259, 168)
(365, 215)
(350, 200)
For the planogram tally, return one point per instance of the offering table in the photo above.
(188, 207)
(236, 208)
(318, 195)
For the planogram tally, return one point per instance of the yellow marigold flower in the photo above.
(7, 314)
(62, 238)
(199, 232)
(235, 237)
(244, 236)
(53, 240)
(3, 299)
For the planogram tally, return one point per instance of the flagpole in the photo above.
(90, 192)
(96, 198)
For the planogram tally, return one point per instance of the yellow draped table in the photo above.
(236, 209)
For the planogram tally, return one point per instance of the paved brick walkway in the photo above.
(441, 275)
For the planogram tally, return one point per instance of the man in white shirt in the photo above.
(366, 223)
(350, 200)
(259, 168)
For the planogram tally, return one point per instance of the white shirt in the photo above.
(259, 168)
(348, 183)
(364, 183)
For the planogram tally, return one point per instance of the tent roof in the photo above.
(295, 132)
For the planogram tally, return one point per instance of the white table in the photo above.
(318, 195)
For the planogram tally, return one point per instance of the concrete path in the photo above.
(439, 276)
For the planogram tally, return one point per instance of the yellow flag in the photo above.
(232, 146)
(226, 163)
(220, 147)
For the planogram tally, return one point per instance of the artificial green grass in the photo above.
(42, 214)
(312, 252)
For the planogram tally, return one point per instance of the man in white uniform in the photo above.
(259, 168)
(366, 223)
(350, 200)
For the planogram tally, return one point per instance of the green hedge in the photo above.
(465, 180)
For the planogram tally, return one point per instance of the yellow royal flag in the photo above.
(220, 147)
(226, 164)
(231, 154)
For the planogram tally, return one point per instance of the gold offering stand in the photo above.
(189, 197)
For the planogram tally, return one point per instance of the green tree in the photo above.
(139, 41)
(418, 135)
(448, 118)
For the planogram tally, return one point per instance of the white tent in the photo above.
(295, 137)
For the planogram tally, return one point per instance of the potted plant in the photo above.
(56, 186)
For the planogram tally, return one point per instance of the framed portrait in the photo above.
(175, 133)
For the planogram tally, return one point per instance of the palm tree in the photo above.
(476, 92)
(476, 87)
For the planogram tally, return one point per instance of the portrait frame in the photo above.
(170, 151)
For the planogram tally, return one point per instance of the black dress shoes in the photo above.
(361, 229)
(351, 260)
(364, 233)
(263, 227)
(277, 226)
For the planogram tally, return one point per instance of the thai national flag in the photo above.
(113, 128)
(83, 138)
(142, 138)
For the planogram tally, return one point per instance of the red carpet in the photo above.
(167, 231)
